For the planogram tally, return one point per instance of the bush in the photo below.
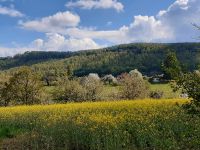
(134, 87)
(70, 91)
(156, 94)
(190, 84)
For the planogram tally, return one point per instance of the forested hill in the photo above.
(147, 58)
(30, 58)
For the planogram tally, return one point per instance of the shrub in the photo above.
(156, 94)
(190, 84)
(134, 87)
(70, 91)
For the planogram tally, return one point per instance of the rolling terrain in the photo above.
(147, 58)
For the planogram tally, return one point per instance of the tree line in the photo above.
(113, 60)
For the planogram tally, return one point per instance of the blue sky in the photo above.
(63, 25)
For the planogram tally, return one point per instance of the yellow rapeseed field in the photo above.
(117, 125)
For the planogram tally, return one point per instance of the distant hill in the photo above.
(146, 57)
(30, 58)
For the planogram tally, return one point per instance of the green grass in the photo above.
(9, 132)
(110, 92)
(166, 89)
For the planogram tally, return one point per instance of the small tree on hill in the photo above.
(171, 66)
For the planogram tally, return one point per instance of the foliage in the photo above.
(190, 84)
(171, 66)
(52, 76)
(30, 58)
(22, 88)
(167, 90)
(115, 60)
(110, 80)
(134, 86)
(77, 90)
(135, 74)
(156, 94)
(93, 86)
(146, 124)
(70, 91)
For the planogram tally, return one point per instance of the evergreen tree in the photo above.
(171, 66)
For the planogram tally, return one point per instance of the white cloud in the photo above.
(59, 42)
(179, 17)
(38, 43)
(170, 25)
(54, 23)
(6, 51)
(97, 4)
(148, 29)
(53, 42)
(12, 12)
(143, 28)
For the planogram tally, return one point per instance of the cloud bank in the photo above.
(63, 31)
(170, 25)
(52, 42)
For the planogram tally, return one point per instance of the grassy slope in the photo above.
(145, 124)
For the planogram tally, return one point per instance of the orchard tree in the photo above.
(23, 87)
(171, 66)
(110, 79)
(93, 85)
(136, 73)
(134, 86)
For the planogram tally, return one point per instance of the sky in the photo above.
(71, 25)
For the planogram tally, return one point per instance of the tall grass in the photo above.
(144, 124)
